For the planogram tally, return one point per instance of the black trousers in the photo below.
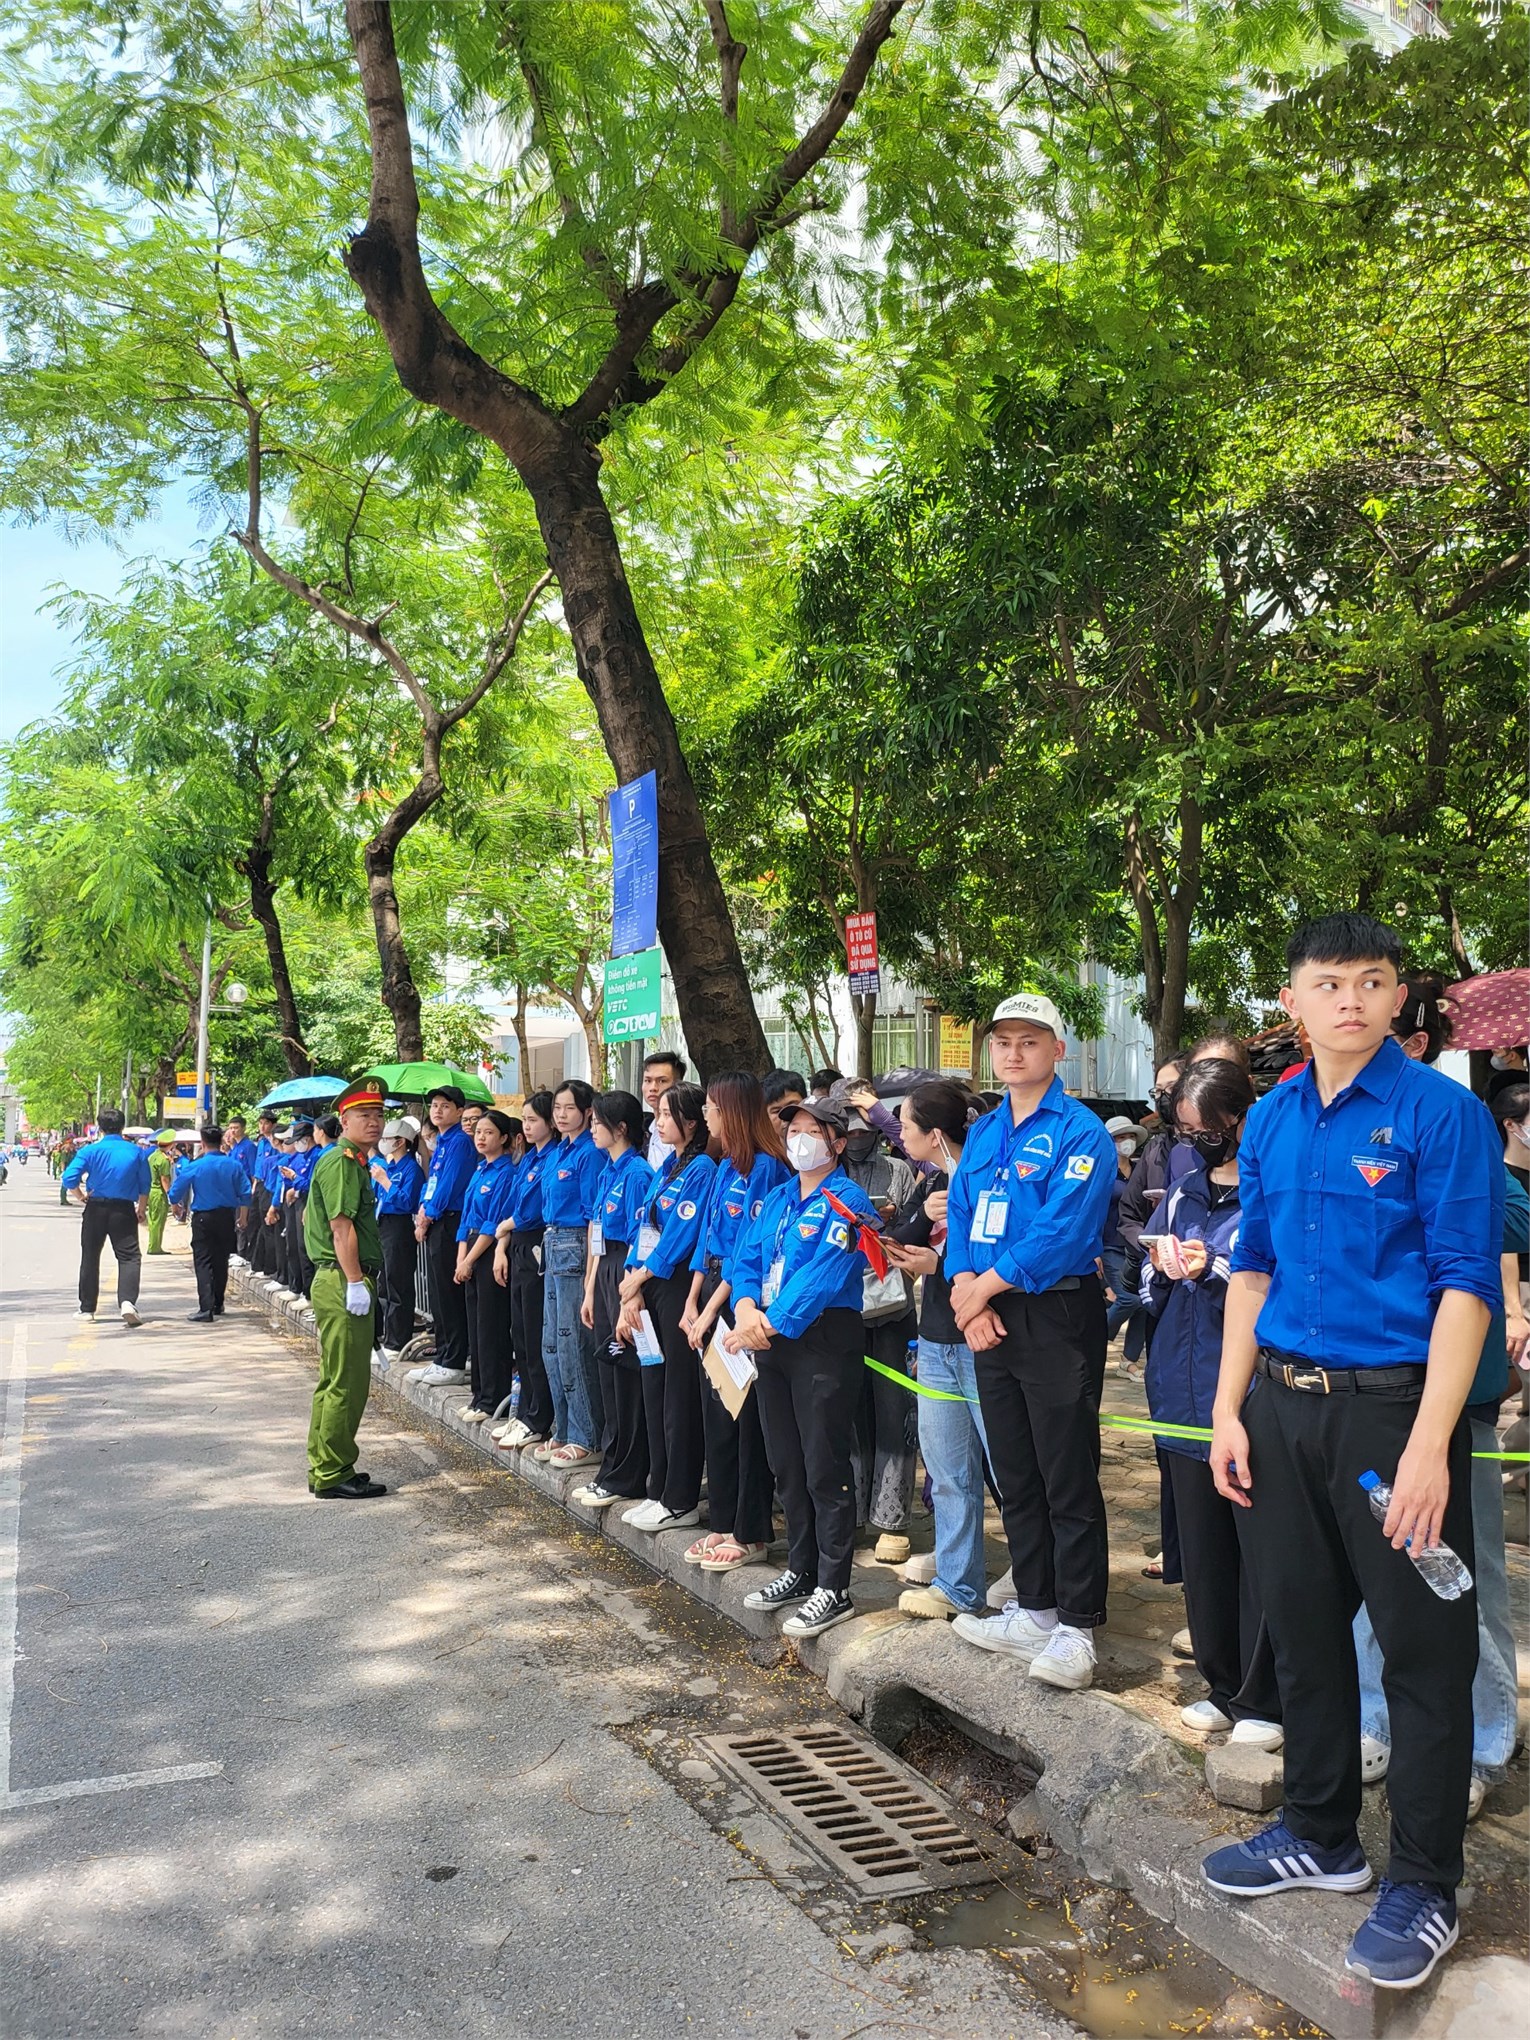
(886, 1428)
(535, 1408)
(448, 1305)
(114, 1219)
(677, 1449)
(1040, 1394)
(261, 1256)
(1232, 1646)
(212, 1241)
(808, 1391)
(299, 1267)
(492, 1371)
(1318, 1552)
(401, 1252)
(740, 1485)
(244, 1235)
(624, 1442)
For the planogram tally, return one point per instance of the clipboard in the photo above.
(731, 1374)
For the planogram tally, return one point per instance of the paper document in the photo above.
(646, 1340)
(731, 1374)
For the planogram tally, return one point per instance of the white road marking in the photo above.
(10, 1559)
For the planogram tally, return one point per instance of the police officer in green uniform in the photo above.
(341, 1239)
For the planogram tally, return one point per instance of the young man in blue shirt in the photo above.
(1363, 1277)
(452, 1162)
(1026, 1219)
(217, 1187)
(116, 1195)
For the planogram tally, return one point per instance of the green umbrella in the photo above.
(413, 1080)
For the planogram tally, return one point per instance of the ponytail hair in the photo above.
(1422, 1013)
(939, 1106)
(686, 1105)
(582, 1093)
(620, 1112)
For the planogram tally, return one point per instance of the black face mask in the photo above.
(1213, 1148)
(860, 1147)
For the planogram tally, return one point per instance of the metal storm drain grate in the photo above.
(873, 1821)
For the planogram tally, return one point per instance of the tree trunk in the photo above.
(522, 1041)
(400, 993)
(722, 1029)
(256, 866)
(864, 1007)
(981, 1029)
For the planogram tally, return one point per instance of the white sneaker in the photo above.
(440, 1377)
(1016, 1633)
(1205, 1717)
(1374, 1758)
(645, 1516)
(475, 1416)
(1181, 1644)
(1067, 1661)
(666, 1519)
(84, 1317)
(1002, 1592)
(129, 1314)
(1258, 1735)
(513, 1435)
(595, 1497)
(390, 1352)
(1476, 1792)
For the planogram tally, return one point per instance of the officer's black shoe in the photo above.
(199, 1317)
(357, 1489)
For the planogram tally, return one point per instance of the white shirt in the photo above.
(659, 1151)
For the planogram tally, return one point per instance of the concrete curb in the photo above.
(1111, 1790)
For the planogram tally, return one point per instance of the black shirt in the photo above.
(912, 1228)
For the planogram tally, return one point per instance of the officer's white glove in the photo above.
(358, 1298)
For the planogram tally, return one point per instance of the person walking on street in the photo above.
(161, 1174)
(452, 1162)
(340, 1227)
(1026, 1213)
(1363, 1279)
(116, 1180)
(217, 1188)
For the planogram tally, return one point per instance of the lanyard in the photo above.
(1014, 1141)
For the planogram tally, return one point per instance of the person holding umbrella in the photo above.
(342, 1241)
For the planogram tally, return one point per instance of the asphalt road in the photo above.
(418, 1749)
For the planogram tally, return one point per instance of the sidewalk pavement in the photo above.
(1120, 1784)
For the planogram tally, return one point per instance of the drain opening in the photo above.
(868, 1817)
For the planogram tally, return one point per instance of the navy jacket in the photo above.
(1184, 1356)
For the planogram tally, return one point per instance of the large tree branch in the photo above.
(498, 656)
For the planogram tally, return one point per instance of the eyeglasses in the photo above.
(1207, 1141)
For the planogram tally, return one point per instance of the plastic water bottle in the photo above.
(1443, 1572)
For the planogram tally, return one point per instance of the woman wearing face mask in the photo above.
(658, 1280)
(887, 1422)
(934, 1118)
(626, 1183)
(486, 1202)
(568, 1205)
(752, 1162)
(797, 1309)
(1424, 1029)
(398, 1181)
(1188, 1243)
(518, 1269)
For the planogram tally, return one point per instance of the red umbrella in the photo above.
(1490, 1012)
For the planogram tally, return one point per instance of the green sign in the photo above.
(632, 996)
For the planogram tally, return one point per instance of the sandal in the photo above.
(571, 1455)
(727, 1555)
(705, 1546)
(1153, 1570)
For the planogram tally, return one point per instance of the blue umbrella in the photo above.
(302, 1091)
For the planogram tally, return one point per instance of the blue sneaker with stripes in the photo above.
(1411, 1926)
(1277, 1860)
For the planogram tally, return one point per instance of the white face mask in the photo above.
(1126, 1149)
(1521, 1131)
(1503, 1062)
(806, 1152)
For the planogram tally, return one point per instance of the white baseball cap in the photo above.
(1030, 1006)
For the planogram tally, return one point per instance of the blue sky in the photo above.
(34, 560)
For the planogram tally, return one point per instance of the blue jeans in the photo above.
(570, 1366)
(1495, 1689)
(953, 1442)
(1127, 1309)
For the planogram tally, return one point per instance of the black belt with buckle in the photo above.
(1290, 1370)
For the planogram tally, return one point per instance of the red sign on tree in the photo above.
(861, 952)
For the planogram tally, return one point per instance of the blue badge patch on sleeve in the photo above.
(687, 1210)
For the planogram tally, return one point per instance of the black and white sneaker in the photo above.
(782, 1592)
(819, 1612)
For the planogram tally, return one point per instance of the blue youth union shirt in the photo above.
(400, 1198)
(487, 1199)
(1364, 1210)
(243, 1152)
(452, 1163)
(678, 1208)
(526, 1198)
(1030, 1201)
(821, 1266)
(212, 1182)
(736, 1202)
(621, 1196)
(569, 1181)
(110, 1167)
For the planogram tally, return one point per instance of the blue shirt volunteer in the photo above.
(302, 1162)
(525, 1212)
(243, 1152)
(1364, 1210)
(452, 1163)
(736, 1202)
(1030, 1201)
(399, 1196)
(569, 1182)
(214, 1182)
(674, 1217)
(626, 1184)
(110, 1167)
(799, 1258)
(487, 1199)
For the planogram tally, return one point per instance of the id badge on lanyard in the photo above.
(770, 1288)
(647, 1240)
(989, 1218)
(597, 1239)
